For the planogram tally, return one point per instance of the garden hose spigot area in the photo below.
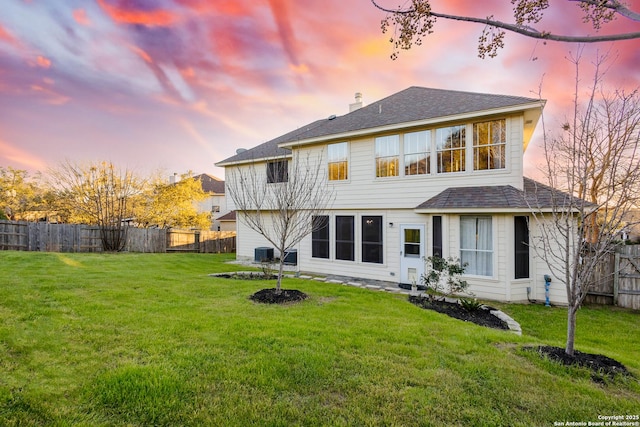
(547, 283)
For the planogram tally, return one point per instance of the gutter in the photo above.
(417, 123)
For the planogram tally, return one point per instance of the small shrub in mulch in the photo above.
(601, 367)
(269, 296)
(246, 276)
(480, 317)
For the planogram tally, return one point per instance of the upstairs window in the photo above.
(338, 159)
(416, 153)
(450, 148)
(277, 171)
(387, 156)
(489, 145)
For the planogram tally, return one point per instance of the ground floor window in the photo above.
(320, 237)
(345, 244)
(437, 236)
(372, 239)
(521, 247)
(476, 245)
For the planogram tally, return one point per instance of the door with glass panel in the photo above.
(412, 238)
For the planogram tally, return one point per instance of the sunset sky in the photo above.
(181, 84)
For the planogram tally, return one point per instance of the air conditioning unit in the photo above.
(263, 254)
(291, 257)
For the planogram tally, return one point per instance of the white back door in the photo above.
(412, 238)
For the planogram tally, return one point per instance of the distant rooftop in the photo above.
(210, 183)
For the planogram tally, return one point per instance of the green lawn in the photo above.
(151, 339)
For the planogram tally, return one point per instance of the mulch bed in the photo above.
(269, 296)
(602, 367)
(247, 276)
(480, 317)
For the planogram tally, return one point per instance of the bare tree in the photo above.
(594, 165)
(280, 199)
(99, 194)
(412, 23)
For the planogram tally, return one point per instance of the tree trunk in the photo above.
(572, 311)
(280, 271)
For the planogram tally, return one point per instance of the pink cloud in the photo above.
(80, 15)
(11, 154)
(123, 15)
(141, 53)
(50, 96)
(280, 11)
(5, 36)
(230, 8)
(43, 62)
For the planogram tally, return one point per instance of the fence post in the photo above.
(616, 277)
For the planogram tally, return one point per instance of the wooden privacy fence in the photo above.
(617, 281)
(203, 241)
(46, 237)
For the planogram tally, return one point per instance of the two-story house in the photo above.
(216, 203)
(422, 172)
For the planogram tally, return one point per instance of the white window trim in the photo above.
(507, 144)
(429, 154)
(339, 181)
(357, 230)
(400, 173)
(493, 251)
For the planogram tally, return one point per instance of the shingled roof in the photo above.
(413, 104)
(410, 105)
(210, 183)
(269, 149)
(535, 195)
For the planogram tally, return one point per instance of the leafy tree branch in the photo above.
(412, 23)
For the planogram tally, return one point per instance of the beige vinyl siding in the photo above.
(517, 288)
(390, 268)
(364, 191)
(557, 290)
(248, 240)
